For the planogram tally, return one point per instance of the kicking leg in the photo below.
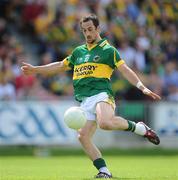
(108, 121)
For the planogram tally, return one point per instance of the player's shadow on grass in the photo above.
(114, 178)
(120, 178)
(125, 178)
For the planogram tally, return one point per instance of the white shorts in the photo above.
(89, 104)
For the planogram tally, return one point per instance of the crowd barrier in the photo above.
(41, 123)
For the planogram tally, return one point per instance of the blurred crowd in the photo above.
(144, 32)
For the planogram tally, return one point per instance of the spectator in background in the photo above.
(31, 11)
(127, 52)
(142, 40)
(171, 80)
(7, 89)
(172, 52)
(132, 9)
(43, 21)
(3, 29)
(139, 58)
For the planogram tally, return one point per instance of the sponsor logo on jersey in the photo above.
(92, 70)
(85, 70)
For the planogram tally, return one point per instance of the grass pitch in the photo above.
(79, 167)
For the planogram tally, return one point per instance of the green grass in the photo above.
(79, 167)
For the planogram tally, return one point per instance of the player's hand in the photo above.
(148, 92)
(28, 69)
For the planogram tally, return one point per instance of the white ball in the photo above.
(75, 118)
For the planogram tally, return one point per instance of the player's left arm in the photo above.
(131, 76)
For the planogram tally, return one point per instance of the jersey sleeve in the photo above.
(70, 60)
(117, 60)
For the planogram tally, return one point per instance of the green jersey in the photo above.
(92, 68)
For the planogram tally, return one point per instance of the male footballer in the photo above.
(93, 64)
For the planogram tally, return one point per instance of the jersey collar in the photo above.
(101, 43)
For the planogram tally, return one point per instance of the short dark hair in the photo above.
(90, 17)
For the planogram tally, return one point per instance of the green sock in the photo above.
(99, 163)
(131, 126)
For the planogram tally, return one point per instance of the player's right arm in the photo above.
(49, 69)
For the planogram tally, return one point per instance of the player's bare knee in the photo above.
(82, 137)
(104, 125)
(103, 122)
